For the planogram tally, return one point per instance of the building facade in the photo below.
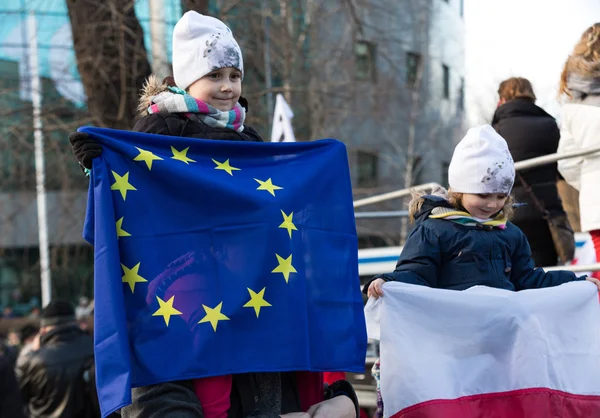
(400, 100)
(63, 111)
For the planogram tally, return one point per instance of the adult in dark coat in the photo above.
(51, 377)
(10, 398)
(531, 132)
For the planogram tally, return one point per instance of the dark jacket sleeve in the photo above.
(419, 262)
(10, 398)
(152, 124)
(171, 399)
(27, 375)
(524, 275)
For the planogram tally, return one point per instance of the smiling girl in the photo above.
(463, 237)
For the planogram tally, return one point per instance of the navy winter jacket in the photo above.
(443, 254)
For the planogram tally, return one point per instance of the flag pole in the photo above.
(40, 174)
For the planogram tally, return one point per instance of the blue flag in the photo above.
(220, 257)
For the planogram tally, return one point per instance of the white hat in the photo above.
(202, 44)
(482, 163)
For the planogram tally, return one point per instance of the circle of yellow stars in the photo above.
(131, 276)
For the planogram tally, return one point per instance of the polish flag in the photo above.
(487, 352)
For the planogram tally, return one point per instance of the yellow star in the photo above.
(257, 301)
(131, 276)
(166, 309)
(287, 223)
(285, 267)
(122, 184)
(181, 155)
(213, 315)
(120, 231)
(147, 157)
(268, 186)
(225, 166)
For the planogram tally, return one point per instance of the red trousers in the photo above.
(596, 240)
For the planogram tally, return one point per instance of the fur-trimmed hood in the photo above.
(152, 87)
(423, 203)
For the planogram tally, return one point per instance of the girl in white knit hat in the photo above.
(462, 236)
(204, 101)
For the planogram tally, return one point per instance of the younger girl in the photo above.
(204, 102)
(462, 237)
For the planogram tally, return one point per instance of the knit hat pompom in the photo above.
(481, 163)
(202, 44)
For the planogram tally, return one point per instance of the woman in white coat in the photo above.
(580, 128)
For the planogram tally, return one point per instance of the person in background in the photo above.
(83, 309)
(34, 313)
(580, 129)
(51, 377)
(8, 313)
(530, 132)
(29, 339)
(11, 405)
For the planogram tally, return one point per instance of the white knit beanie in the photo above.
(202, 44)
(482, 163)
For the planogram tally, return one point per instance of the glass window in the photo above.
(446, 76)
(365, 60)
(367, 168)
(413, 65)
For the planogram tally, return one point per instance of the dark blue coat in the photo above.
(444, 254)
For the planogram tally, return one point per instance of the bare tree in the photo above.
(111, 58)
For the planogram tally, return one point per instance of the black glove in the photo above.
(84, 148)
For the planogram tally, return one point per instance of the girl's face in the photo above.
(483, 206)
(220, 88)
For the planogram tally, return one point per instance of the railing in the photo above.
(521, 165)
(393, 195)
(575, 269)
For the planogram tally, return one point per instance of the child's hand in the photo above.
(375, 288)
(590, 279)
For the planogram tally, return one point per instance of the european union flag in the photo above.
(220, 257)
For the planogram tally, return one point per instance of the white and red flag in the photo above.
(486, 352)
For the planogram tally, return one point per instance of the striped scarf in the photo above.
(178, 101)
(465, 218)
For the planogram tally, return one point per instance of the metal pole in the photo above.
(382, 214)
(576, 268)
(40, 175)
(267, 58)
(521, 165)
(552, 158)
(393, 195)
(160, 66)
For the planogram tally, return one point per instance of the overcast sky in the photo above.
(527, 38)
